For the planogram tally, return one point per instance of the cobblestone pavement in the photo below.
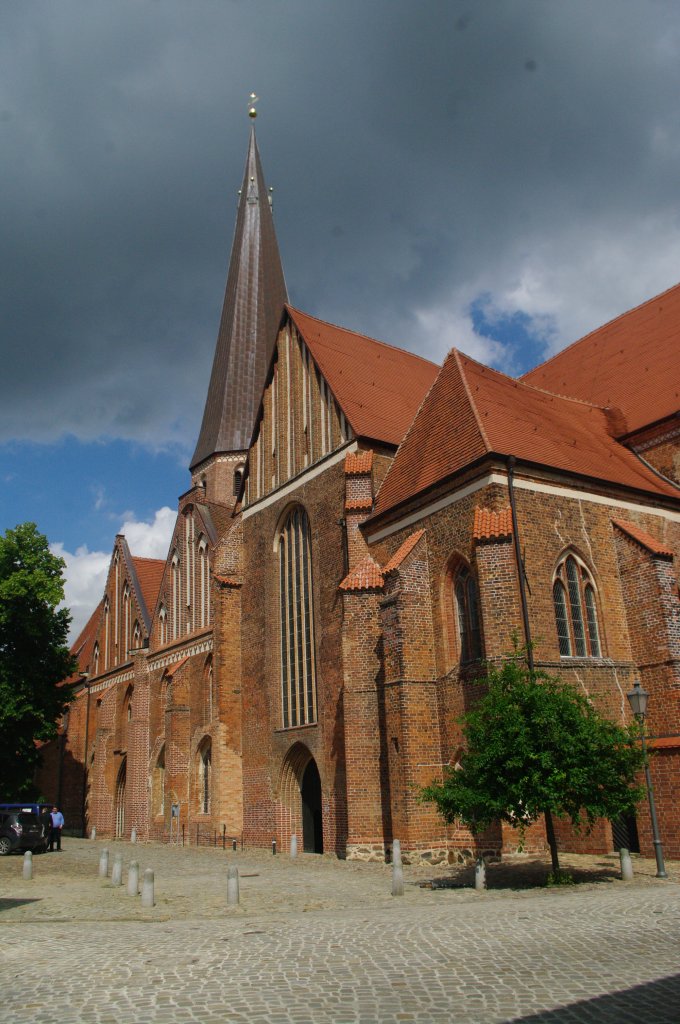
(319, 941)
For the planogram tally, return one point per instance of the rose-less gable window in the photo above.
(298, 669)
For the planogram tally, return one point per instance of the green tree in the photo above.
(534, 746)
(34, 654)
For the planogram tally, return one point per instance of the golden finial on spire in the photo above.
(252, 112)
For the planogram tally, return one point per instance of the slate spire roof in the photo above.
(253, 305)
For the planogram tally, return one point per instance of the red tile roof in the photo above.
(229, 581)
(405, 549)
(150, 575)
(472, 411)
(379, 387)
(366, 575)
(491, 525)
(359, 505)
(358, 463)
(175, 667)
(83, 645)
(631, 364)
(643, 538)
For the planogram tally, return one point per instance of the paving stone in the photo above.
(604, 951)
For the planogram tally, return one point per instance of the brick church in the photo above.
(346, 557)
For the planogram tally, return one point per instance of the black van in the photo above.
(42, 813)
(20, 830)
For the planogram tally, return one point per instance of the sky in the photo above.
(497, 175)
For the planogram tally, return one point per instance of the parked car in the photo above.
(43, 812)
(20, 830)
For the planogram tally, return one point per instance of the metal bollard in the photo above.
(233, 845)
(274, 847)
(117, 870)
(28, 866)
(480, 874)
(233, 895)
(133, 836)
(293, 847)
(147, 889)
(93, 834)
(104, 863)
(133, 879)
(626, 865)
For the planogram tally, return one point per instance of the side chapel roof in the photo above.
(472, 411)
(83, 646)
(253, 305)
(149, 576)
(631, 364)
(379, 387)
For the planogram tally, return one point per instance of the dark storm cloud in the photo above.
(423, 154)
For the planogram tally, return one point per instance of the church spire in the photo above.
(253, 304)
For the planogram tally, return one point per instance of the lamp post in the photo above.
(637, 698)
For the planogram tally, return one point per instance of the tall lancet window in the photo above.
(203, 582)
(176, 595)
(298, 670)
(125, 646)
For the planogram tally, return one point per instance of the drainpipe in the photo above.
(86, 679)
(520, 564)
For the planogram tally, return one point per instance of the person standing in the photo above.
(56, 825)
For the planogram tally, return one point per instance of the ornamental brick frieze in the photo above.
(105, 684)
(200, 647)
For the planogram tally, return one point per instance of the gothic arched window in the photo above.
(298, 670)
(125, 646)
(176, 595)
(162, 626)
(466, 601)
(203, 582)
(578, 632)
(204, 774)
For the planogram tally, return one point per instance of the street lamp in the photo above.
(637, 698)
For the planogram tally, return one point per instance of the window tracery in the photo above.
(576, 618)
(298, 669)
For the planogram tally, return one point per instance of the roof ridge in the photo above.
(457, 357)
(602, 327)
(527, 384)
(358, 334)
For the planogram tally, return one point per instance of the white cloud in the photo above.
(150, 540)
(85, 573)
(84, 581)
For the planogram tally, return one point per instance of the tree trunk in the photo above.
(552, 842)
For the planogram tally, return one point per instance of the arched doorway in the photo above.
(120, 800)
(312, 821)
(300, 800)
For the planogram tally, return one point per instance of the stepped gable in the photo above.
(378, 386)
(251, 314)
(473, 411)
(631, 363)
